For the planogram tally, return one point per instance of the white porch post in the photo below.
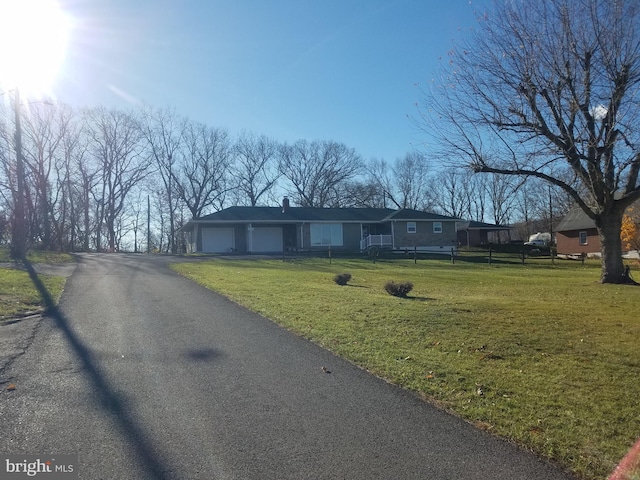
(250, 238)
(393, 235)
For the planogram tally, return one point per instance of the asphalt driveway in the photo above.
(145, 375)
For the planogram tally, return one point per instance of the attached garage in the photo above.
(267, 239)
(217, 240)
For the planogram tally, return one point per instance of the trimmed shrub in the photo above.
(400, 289)
(342, 278)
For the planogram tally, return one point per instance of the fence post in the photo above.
(490, 253)
(453, 258)
(415, 254)
(329, 254)
(524, 253)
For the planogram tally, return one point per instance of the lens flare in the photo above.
(34, 35)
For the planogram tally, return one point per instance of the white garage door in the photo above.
(267, 239)
(217, 240)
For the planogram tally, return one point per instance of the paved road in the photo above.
(146, 375)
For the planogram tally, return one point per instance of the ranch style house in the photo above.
(271, 230)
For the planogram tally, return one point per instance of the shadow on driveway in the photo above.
(110, 401)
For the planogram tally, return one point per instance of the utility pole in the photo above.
(148, 225)
(550, 215)
(18, 244)
(551, 251)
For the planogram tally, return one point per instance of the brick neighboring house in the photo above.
(577, 233)
(290, 229)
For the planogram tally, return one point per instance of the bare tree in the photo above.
(361, 194)
(477, 202)
(461, 194)
(87, 178)
(546, 85)
(116, 143)
(501, 192)
(411, 177)
(254, 171)
(44, 128)
(202, 181)
(8, 186)
(404, 184)
(67, 211)
(379, 174)
(452, 194)
(163, 131)
(317, 170)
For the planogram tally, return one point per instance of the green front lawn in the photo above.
(18, 295)
(542, 355)
(38, 256)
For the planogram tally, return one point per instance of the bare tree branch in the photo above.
(547, 85)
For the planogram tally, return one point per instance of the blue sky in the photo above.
(343, 70)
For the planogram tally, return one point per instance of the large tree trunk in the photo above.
(613, 269)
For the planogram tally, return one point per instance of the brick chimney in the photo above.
(285, 204)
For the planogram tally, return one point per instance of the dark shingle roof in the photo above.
(575, 219)
(473, 225)
(305, 214)
(297, 214)
(408, 214)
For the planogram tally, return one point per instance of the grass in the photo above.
(38, 256)
(542, 355)
(18, 295)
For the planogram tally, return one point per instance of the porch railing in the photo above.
(376, 241)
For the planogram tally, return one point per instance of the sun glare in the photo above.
(33, 40)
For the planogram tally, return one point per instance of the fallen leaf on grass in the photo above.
(483, 425)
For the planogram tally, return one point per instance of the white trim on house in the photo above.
(376, 241)
(250, 237)
(393, 235)
(583, 237)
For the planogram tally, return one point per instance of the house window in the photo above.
(437, 227)
(411, 227)
(583, 238)
(326, 234)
